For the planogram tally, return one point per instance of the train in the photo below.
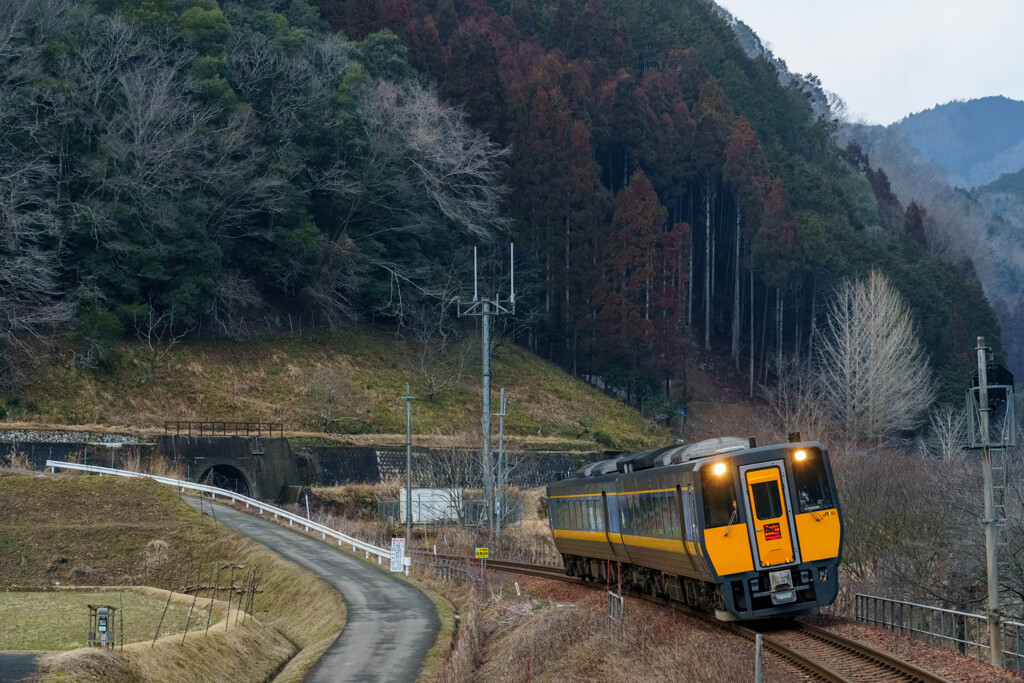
(722, 525)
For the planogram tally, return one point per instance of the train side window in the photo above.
(593, 515)
(645, 517)
(588, 515)
(812, 489)
(623, 504)
(599, 513)
(671, 516)
(658, 518)
(634, 520)
(561, 514)
(719, 498)
(573, 514)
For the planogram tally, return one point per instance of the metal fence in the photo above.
(963, 632)
(201, 428)
(472, 513)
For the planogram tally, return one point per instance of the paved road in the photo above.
(390, 624)
(14, 667)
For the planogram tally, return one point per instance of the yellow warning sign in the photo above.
(481, 553)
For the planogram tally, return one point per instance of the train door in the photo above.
(770, 519)
(613, 524)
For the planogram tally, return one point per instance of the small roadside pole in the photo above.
(482, 554)
(758, 654)
(408, 462)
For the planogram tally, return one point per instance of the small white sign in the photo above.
(397, 554)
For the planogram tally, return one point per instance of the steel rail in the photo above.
(886, 667)
(903, 670)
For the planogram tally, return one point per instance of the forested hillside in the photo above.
(973, 141)
(174, 168)
(960, 226)
(178, 168)
(600, 103)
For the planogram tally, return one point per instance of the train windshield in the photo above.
(719, 498)
(812, 489)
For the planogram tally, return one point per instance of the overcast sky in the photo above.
(890, 58)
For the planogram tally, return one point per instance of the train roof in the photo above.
(669, 455)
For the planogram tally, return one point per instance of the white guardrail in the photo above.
(325, 531)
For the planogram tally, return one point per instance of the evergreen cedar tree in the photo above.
(727, 150)
(649, 161)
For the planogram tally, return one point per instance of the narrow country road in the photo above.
(15, 666)
(390, 625)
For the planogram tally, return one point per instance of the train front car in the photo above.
(785, 558)
(746, 532)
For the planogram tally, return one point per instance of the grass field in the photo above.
(89, 531)
(60, 620)
(331, 385)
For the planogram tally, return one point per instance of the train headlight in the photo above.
(719, 468)
(800, 455)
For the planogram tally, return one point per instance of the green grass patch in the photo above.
(60, 620)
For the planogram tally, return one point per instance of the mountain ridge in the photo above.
(974, 141)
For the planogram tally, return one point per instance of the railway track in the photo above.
(831, 657)
(818, 653)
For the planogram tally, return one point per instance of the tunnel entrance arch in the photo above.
(226, 477)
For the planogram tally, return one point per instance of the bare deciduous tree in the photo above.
(947, 432)
(160, 332)
(796, 401)
(875, 379)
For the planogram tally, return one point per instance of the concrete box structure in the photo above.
(432, 506)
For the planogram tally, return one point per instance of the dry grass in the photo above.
(126, 531)
(561, 633)
(290, 378)
(19, 462)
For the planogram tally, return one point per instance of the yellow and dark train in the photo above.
(748, 532)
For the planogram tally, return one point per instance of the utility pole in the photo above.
(995, 629)
(408, 466)
(501, 467)
(485, 308)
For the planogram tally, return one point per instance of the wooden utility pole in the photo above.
(995, 629)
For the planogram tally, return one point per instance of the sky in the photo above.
(890, 58)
